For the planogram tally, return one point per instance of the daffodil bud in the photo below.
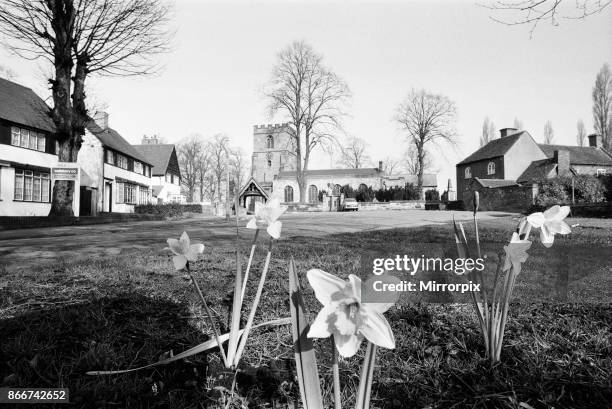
(476, 201)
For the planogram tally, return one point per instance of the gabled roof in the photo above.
(580, 155)
(22, 106)
(494, 149)
(495, 182)
(112, 139)
(158, 155)
(537, 170)
(362, 172)
(256, 186)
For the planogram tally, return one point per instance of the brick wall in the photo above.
(510, 198)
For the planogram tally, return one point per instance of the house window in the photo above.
(31, 186)
(28, 139)
(143, 194)
(269, 163)
(491, 168)
(122, 161)
(270, 142)
(288, 194)
(601, 172)
(138, 167)
(126, 193)
(177, 180)
(110, 157)
(168, 178)
(468, 172)
(313, 194)
(120, 192)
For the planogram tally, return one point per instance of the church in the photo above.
(273, 174)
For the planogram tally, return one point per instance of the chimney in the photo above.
(507, 132)
(101, 119)
(562, 158)
(380, 168)
(595, 141)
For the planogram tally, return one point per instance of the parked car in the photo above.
(350, 203)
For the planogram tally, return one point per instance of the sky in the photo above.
(223, 53)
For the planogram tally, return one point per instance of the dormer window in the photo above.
(468, 172)
(491, 168)
(270, 142)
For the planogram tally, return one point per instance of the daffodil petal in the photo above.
(559, 227)
(562, 212)
(347, 345)
(321, 326)
(377, 330)
(252, 224)
(536, 219)
(355, 286)
(194, 251)
(274, 229)
(174, 246)
(324, 285)
(552, 212)
(546, 236)
(179, 262)
(379, 307)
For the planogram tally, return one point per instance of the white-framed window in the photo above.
(468, 172)
(601, 172)
(31, 186)
(138, 167)
(122, 161)
(491, 168)
(176, 180)
(126, 193)
(110, 158)
(168, 178)
(143, 195)
(24, 138)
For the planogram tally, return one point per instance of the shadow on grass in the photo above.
(55, 347)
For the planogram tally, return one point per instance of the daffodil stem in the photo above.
(209, 314)
(248, 269)
(335, 375)
(249, 324)
(365, 383)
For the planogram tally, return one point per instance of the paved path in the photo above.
(28, 247)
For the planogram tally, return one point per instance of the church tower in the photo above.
(272, 147)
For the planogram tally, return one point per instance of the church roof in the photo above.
(358, 173)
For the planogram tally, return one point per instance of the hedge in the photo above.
(587, 189)
(168, 209)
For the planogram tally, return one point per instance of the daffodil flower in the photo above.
(550, 223)
(267, 216)
(184, 251)
(516, 253)
(344, 315)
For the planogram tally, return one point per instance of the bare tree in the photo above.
(581, 133)
(602, 105)
(549, 133)
(190, 156)
(238, 167)
(488, 132)
(310, 97)
(218, 149)
(518, 124)
(353, 153)
(411, 162)
(80, 38)
(532, 12)
(7, 73)
(391, 165)
(426, 118)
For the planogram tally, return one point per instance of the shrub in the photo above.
(406, 192)
(168, 209)
(432, 195)
(365, 194)
(455, 205)
(586, 189)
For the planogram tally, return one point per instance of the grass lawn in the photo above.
(57, 322)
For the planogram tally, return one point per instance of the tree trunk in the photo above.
(421, 160)
(201, 188)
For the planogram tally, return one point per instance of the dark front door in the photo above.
(85, 201)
